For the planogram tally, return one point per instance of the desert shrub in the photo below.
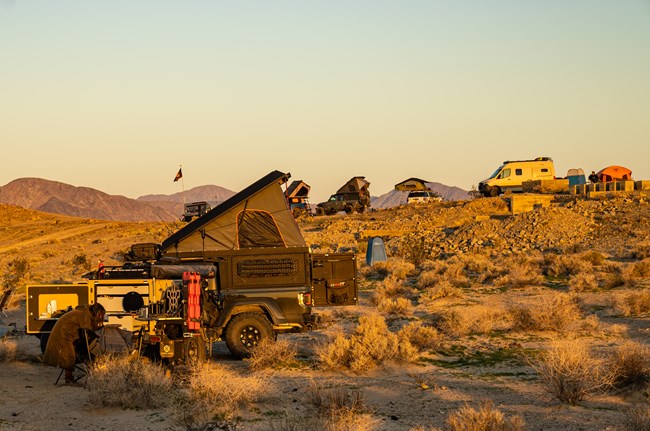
(128, 383)
(430, 298)
(416, 247)
(630, 365)
(553, 313)
(593, 258)
(521, 273)
(567, 265)
(486, 418)
(371, 345)
(429, 278)
(421, 336)
(641, 250)
(81, 260)
(211, 393)
(583, 282)
(570, 373)
(633, 303)
(8, 349)
(17, 269)
(641, 269)
(636, 417)
(392, 287)
(274, 354)
(478, 319)
(395, 267)
(396, 307)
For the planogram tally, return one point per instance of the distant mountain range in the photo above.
(59, 198)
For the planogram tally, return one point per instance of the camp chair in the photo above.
(4, 300)
(84, 349)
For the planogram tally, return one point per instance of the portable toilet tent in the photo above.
(576, 177)
(376, 251)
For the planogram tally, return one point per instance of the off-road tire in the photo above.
(245, 331)
(194, 349)
(320, 211)
(349, 209)
(297, 212)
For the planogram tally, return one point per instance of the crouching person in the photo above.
(60, 349)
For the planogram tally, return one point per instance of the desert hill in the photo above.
(397, 197)
(59, 198)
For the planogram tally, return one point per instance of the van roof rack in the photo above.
(536, 159)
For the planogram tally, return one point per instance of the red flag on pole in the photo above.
(179, 175)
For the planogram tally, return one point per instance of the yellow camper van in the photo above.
(512, 173)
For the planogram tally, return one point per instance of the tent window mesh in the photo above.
(258, 229)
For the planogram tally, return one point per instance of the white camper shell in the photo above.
(513, 173)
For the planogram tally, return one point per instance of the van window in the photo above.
(504, 173)
(518, 172)
(495, 172)
(544, 169)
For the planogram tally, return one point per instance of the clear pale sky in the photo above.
(115, 95)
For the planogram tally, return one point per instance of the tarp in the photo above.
(412, 184)
(613, 173)
(355, 185)
(258, 216)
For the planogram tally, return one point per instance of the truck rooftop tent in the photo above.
(297, 189)
(255, 217)
(412, 184)
(356, 184)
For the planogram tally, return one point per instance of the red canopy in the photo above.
(614, 173)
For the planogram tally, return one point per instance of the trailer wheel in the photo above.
(194, 349)
(245, 331)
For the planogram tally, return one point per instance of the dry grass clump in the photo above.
(395, 267)
(630, 365)
(211, 393)
(274, 354)
(432, 298)
(477, 319)
(583, 282)
(128, 383)
(8, 349)
(393, 287)
(486, 418)
(452, 271)
(636, 418)
(570, 373)
(641, 269)
(370, 346)
(572, 264)
(593, 258)
(521, 273)
(340, 409)
(396, 307)
(421, 336)
(555, 312)
(633, 303)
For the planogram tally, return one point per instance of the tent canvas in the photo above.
(412, 184)
(297, 189)
(613, 173)
(258, 216)
(355, 185)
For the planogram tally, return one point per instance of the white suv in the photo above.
(422, 196)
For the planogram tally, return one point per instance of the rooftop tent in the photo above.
(576, 177)
(412, 184)
(614, 173)
(356, 184)
(297, 189)
(258, 216)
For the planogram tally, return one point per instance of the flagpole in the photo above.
(182, 184)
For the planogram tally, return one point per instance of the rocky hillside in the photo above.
(59, 198)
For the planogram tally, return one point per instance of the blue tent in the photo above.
(376, 251)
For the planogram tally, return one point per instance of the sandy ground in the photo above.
(399, 397)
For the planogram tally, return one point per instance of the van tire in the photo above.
(494, 192)
(245, 331)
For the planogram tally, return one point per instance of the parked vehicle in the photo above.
(241, 273)
(422, 197)
(353, 196)
(511, 174)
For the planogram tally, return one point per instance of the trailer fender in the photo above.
(268, 306)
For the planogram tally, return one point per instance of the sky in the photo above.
(117, 95)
